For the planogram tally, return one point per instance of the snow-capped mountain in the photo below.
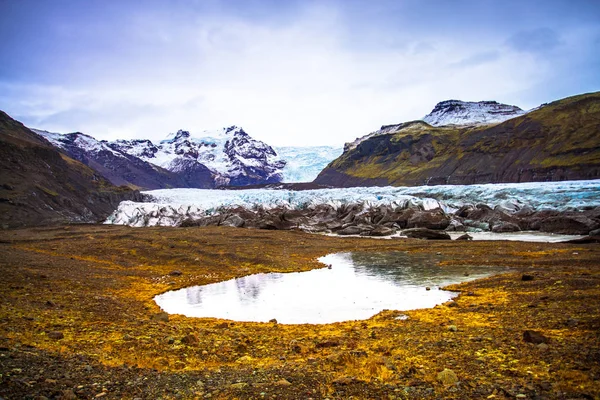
(303, 164)
(119, 167)
(456, 112)
(233, 156)
(451, 112)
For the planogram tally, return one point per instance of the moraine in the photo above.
(573, 204)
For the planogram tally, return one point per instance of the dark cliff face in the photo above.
(41, 186)
(560, 141)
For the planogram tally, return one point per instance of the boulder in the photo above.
(569, 224)
(381, 231)
(456, 226)
(502, 226)
(433, 219)
(424, 233)
(233, 220)
(466, 236)
(354, 230)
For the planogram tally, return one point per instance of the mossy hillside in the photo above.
(561, 139)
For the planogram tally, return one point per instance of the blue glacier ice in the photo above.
(170, 206)
(305, 163)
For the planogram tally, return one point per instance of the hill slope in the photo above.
(559, 141)
(39, 185)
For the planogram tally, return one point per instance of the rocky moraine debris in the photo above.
(386, 220)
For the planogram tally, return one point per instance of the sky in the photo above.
(289, 72)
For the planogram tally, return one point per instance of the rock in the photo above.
(273, 321)
(233, 220)
(424, 233)
(354, 230)
(502, 226)
(527, 277)
(464, 211)
(55, 335)
(534, 337)
(68, 394)
(190, 340)
(543, 347)
(466, 236)
(161, 317)
(447, 377)
(456, 226)
(344, 380)
(568, 224)
(238, 386)
(452, 328)
(433, 219)
(283, 382)
(595, 232)
(382, 231)
(176, 273)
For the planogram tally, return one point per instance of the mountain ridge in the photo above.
(557, 141)
(224, 157)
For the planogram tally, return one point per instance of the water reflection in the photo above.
(358, 286)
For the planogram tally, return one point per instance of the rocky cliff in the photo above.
(558, 141)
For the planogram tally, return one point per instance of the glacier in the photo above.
(169, 207)
(303, 164)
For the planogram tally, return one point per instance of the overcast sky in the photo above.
(289, 72)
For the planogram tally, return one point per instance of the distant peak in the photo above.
(458, 112)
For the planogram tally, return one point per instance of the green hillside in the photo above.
(558, 141)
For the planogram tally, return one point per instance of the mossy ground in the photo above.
(95, 285)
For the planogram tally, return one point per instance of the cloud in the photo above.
(539, 40)
(309, 74)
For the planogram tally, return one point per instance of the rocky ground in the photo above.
(77, 320)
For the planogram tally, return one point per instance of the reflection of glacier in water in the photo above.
(358, 286)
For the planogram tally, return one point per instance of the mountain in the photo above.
(230, 154)
(558, 141)
(303, 164)
(456, 112)
(117, 166)
(40, 185)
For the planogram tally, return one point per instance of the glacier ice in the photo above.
(303, 164)
(171, 206)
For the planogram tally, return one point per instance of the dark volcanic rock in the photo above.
(424, 233)
(503, 226)
(435, 219)
(354, 230)
(569, 224)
